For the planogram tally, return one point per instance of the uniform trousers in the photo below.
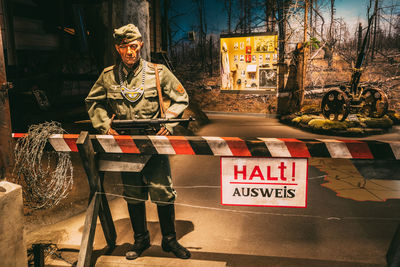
(154, 180)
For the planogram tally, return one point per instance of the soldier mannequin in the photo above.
(128, 91)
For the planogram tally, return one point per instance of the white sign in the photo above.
(271, 182)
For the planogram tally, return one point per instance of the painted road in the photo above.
(348, 221)
(341, 226)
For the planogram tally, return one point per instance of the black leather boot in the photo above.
(137, 214)
(166, 215)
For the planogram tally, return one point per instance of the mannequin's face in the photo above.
(130, 52)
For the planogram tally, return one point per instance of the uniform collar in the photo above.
(137, 67)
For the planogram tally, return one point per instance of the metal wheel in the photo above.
(335, 105)
(375, 103)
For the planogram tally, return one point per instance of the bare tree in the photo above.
(245, 17)
(248, 15)
(330, 40)
(242, 19)
(228, 7)
(373, 45)
(283, 103)
(270, 11)
(202, 31)
(311, 18)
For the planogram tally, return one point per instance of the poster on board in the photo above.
(238, 51)
(267, 78)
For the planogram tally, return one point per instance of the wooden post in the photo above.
(301, 78)
(89, 229)
(211, 56)
(6, 158)
(9, 31)
(110, 39)
(283, 100)
(304, 57)
(98, 203)
(290, 97)
(359, 37)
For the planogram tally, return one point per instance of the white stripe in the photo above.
(162, 144)
(58, 143)
(218, 146)
(337, 148)
(108, 143)
(118, 166)
(395, 145)
(276, 147)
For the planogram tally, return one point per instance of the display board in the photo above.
(249, 62)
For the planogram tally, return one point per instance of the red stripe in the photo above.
(263, 183)
(237, 146)
(297, 148)
(181, 145)
(358, 149)
(19, 135)
(70, 139)
(126, 144)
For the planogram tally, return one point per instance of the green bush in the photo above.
(305, 119)
(383, 122)
(316, 124)
(296, 120)
(325, 124)
(352, 124)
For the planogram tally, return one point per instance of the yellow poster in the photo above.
(249, 62)
(264, 44)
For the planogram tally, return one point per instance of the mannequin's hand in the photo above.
(111, 131)
(163, 131)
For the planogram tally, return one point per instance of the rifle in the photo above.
(142, 124)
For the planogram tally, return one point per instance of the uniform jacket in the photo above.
(105, 98)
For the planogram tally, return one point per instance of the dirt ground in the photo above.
(205, 89)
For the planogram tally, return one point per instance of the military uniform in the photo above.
(105, 99)
(129, 94)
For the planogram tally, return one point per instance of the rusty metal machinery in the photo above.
(336, 104)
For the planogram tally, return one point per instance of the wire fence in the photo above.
(46, 178)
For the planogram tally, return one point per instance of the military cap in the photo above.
(126, 34)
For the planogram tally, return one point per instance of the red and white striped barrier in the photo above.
(231, 146)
